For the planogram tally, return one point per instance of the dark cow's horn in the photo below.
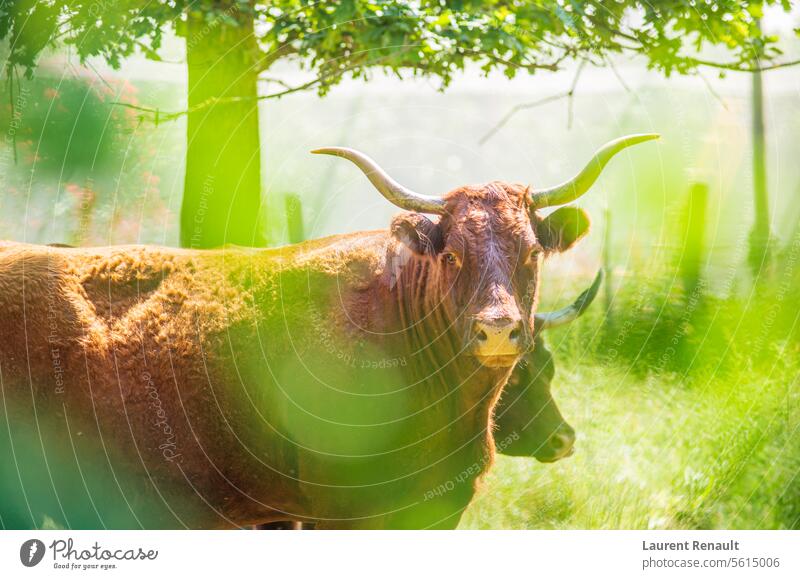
(547, 320)
(388, 187)
(578, 185)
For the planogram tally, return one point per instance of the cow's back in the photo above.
(122, 378)
(165, 387)
(102, 372)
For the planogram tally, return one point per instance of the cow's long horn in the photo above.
(578, 185)
(388, 187)
(547, 320)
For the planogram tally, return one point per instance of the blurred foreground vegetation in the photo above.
(684, 393)
(687, 408)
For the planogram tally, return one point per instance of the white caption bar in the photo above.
(398, 554)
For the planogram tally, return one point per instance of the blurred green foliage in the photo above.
(83, 172)
(687, 407)
(429, 37)
(66, 128)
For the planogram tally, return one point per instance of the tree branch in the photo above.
(525, 106)
(552, 66)
(713, 92)
(613, 68)
(740, 66)
(571, 93)
(159, 116)
(273, 80)
(514, 110)
(273, 55)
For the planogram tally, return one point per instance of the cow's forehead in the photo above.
(496, 206)
(488, 194)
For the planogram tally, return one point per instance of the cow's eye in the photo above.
(527, 257)
(530, 256)
(451, 258)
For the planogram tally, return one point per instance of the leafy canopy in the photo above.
(434, 38)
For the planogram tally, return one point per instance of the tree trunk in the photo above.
(222, 185)
(607, 267)
(760, 234)
(693, 239)
(294, 218)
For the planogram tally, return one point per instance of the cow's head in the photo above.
(528, 421)
(486, 244)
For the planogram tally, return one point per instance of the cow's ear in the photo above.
(417, 232)
(563, 228)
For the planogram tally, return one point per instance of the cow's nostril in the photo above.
(561, 442)
(482, 336)
(514, 335)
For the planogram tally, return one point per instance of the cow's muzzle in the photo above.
(560, 444)
(498, 342)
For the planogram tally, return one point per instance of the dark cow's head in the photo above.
(486, 244)
(527, 419)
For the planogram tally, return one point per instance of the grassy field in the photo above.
(696, 429)
(654, 455)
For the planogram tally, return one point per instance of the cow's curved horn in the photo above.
(547, 320)
(578, 185)
(388, 187)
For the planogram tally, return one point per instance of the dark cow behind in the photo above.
(348, 381)
(527, 419)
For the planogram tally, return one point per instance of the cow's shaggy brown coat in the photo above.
(329, 381)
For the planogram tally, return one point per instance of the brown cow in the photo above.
(527, 420)
(348, 381)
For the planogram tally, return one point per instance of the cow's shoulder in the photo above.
(352, 256)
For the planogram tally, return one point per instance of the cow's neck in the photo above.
(449, 377)
(345, 309)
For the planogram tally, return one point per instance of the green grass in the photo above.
(686, 407)
(712, 441)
